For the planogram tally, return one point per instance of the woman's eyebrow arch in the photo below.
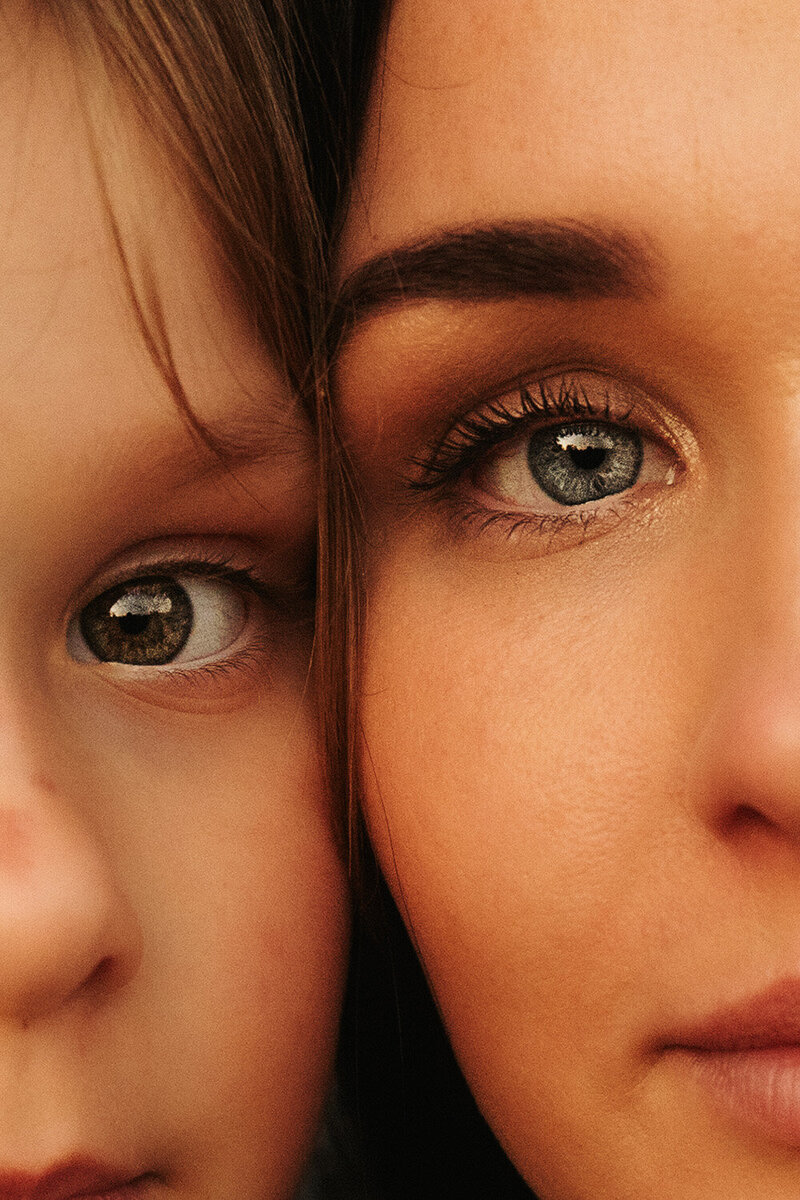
(570, 260)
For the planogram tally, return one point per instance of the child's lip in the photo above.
(76, 1178)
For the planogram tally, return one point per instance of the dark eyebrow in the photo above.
(569, 260)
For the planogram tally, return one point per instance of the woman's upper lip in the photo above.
(769, 1019)
(77, 1177)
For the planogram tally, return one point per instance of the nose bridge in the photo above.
(753, 553)
(66, 928)
(749, 751)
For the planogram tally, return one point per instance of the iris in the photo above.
(142, 622)
(586, 460)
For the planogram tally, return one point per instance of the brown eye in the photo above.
(146, 622)
(157, 620)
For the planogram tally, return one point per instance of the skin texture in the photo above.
(582, 741)
(172, 912)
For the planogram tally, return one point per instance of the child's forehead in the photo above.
(635, 111)
(68, 331)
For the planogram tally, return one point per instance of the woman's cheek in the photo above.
(526, 792)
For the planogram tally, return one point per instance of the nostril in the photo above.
(745, 818)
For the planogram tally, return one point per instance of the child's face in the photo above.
(580, 450)
(172, 919)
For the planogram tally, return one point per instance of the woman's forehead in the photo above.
(663, 118)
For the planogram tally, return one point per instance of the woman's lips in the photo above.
(765, 1021)
(748, 1057)
(76, 1179)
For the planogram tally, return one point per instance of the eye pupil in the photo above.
(133, 626)
(588, 459)
(582, 461)
(142, 622)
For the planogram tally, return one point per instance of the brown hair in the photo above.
(341, 607)
(342, 588)
(257, 107)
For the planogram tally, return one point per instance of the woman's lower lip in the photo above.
(143, 1187)
(137, 1189)
(759, 1088)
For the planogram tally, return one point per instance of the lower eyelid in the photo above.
(212, 687)
(253, 654)
(539, 534)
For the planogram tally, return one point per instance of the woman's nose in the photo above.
(66, 930)
(753, 751)
(748, 752)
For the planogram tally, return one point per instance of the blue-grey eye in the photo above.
(581, 461)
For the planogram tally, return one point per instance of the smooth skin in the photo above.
(581, 732)
(172, 909)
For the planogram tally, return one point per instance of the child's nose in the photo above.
(66, 930)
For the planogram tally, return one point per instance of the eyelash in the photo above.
(208, 566)
(472, 438)
(251, 658)
(530, 407)
(289, 604)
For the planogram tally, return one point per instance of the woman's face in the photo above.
(172, 921)
(572, 391)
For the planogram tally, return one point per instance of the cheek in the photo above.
(224, 846)
(528, 801)
(265, 976)
(510, 722)
(261, 991)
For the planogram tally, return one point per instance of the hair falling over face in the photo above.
(171, 891)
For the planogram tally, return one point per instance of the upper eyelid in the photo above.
(441, 461)
(208, 557)
(287, 602)
(199, 568)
